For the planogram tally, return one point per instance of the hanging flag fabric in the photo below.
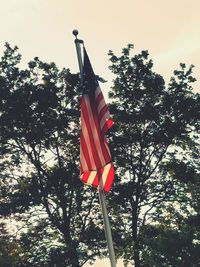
(95, 159)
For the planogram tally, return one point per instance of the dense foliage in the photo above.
(154, 203)
(39, 163)
(155, 146)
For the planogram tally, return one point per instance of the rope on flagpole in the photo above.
(102, 201)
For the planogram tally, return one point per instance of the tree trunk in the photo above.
(72, 255)
(136, 253)
(74, 258)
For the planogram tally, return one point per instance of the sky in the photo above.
(169, 30)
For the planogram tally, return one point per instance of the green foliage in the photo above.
(39, 163)
(165, 246)
(175, 238)
(9, 249)
(154, 144)
(154, 203)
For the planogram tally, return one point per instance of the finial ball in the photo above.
(75, 32)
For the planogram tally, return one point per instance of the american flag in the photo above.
(95, 159)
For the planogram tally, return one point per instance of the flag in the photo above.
(96, 165)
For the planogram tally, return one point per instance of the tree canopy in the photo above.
(154, 202)
(39, 157)
(155, 147)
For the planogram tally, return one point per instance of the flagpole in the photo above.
(102, 201)
(107, 227)
(78, 43)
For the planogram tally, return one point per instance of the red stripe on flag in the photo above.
(107, 125)
(103, 153)
(85, 152)
(99, 98)
(85, 176)
(96, 181)
(90, 138)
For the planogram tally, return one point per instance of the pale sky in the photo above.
(170, 30)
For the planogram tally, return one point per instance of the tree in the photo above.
(155, 123)
(154, 144)
(9, 249)
(175, 238)
(39, 163)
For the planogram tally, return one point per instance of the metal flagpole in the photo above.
(107, 227)
(78, 42)
(100, 188)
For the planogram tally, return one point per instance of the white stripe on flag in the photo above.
(91, 177)
(105, 173)
(101, 105)
(83, 160)
(87, 138)
(97, 92)
(107, 148)
(94, 131)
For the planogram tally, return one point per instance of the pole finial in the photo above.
(75, 33)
